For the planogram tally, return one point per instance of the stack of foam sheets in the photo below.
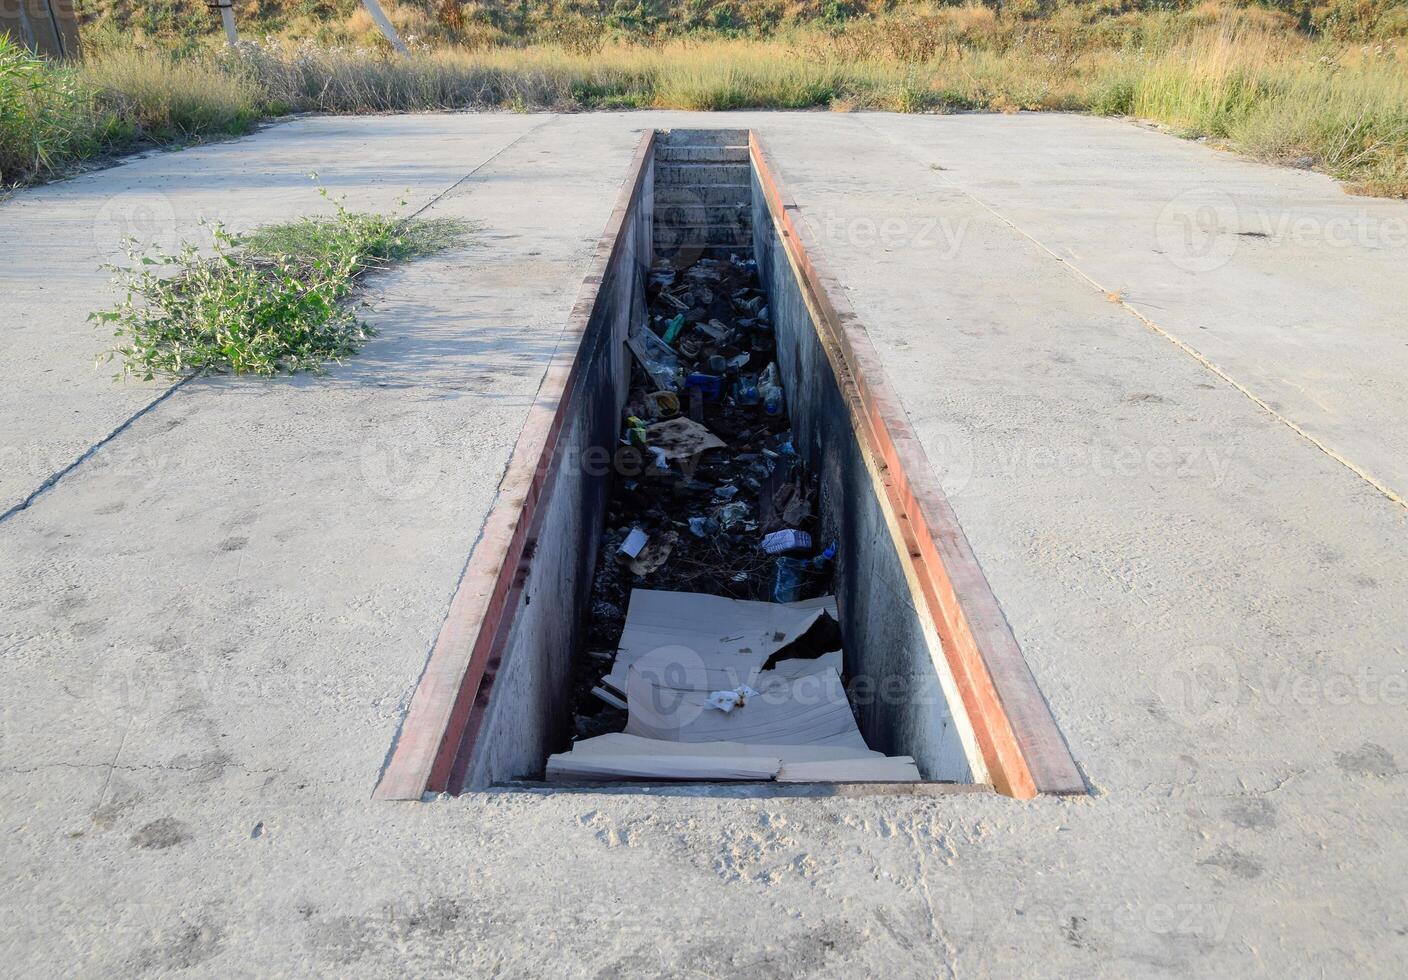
(683, 653)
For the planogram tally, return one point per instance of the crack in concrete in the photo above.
(112, 766)
(29, 770)
(88, 453)
(936, 928)
(1114, 297)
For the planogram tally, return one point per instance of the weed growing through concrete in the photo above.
(275, 301)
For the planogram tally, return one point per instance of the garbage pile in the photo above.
(710, 608)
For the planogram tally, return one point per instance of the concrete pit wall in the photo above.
(522, 712)
(895, 665)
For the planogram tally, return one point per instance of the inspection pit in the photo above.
(944, 680)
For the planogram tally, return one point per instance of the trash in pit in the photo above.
(654, 554)
(681, 438)
(632, 546)
(726, 701)
(788, 539)
(703, 586)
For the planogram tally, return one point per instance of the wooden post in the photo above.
(227, 17)
(65, 21)
(47, 27)
(387, 30)
(13, 21)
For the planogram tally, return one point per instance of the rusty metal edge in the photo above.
(437, 723)
(1015, 731)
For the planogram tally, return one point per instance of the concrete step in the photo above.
(723, 195)
(701, 154)
(670, 237)
(702, 173)
(702, 137)
(703, 214)
(686, 255)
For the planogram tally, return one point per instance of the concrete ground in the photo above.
(1164, 388)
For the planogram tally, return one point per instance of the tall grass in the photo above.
(49, 116)
(1244, 76)
(54, 115)
(1270, 100)
(171, 99)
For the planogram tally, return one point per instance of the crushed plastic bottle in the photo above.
(770, 390)
(703, 527)
(745, 392)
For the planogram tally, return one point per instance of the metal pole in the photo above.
(374, 9)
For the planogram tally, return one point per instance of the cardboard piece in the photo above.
(891, 769)
(681, 438)
(570, 765)
(705, 642)
(811, 710)
(619, 743)
(793, 668)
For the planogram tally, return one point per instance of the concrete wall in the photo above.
(892, 659)
(527, 714)
(48, 27)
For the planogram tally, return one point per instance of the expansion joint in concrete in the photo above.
(1182, 345)
(54, 478)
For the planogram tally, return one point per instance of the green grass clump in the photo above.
(53, 115)
(274, 301)
(49, 116)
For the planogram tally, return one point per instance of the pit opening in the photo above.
(700, 265)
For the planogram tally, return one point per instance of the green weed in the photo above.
(274, 301)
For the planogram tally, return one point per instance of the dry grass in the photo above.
(172, 99)
(1242, 75)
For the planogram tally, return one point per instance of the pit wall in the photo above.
(896, 666)
(512, 732)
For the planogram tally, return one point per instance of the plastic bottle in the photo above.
(770, 390)
(790, 578)
(672, 330)
(746, 391)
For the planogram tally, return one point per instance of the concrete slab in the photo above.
(1291, 287)
(56, 400)
(212, 626)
